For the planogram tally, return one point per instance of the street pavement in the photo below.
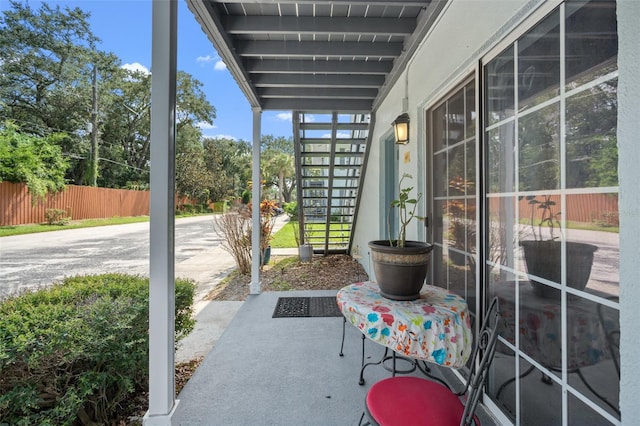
(38, 260)
(32, 261)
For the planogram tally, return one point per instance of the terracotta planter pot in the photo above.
(400, 272)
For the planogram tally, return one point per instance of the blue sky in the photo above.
(124, 26)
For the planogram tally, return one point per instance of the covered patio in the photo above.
(283, 371)
(462, 72)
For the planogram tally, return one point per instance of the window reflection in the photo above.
(539, 149)
(500, 87)
(591, 40)
(592, 341)
(592, 152)
(501, 159)
(539, 63)
(551, 218)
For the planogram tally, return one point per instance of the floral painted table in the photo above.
(434, 328)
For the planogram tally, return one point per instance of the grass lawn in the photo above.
(285, 237)
(6, 231)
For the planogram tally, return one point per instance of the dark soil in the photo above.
(284, 274)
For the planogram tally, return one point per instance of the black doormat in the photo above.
(297, 307)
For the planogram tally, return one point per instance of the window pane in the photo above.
(540, 398)
(593, 340)
(455, 118)
(456, 170)
(539, 63)
(470, 174)
(501, 159)
(582, 414)
(438, 123)
(502, 230)
(439, 211)
(539, 149)
(440, 169)
(439, 267)
(591, 40)
(592, 152)
(593, 219)
(470, 109)
(500, 93)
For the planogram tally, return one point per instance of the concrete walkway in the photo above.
(208, 268)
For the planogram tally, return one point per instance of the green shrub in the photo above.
(246, 196)
(75, 353)
(221, 206)
(291, 209)
(56, 217)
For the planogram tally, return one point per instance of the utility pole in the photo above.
(94, 127)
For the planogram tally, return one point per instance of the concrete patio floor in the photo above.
(281, 371)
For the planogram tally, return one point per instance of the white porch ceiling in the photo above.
(337, 55)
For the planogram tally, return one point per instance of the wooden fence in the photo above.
(600, 209)
(80, 202)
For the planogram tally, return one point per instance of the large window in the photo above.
(551, 217)
(453, 146)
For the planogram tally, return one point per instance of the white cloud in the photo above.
(136, 67)
(203, 125)
(222, 137)
(218, 65)
(284, 116)
(205, 59)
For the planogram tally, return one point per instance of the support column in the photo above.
(256, 189)
(161, 239)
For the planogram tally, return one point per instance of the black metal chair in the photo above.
(412, 400)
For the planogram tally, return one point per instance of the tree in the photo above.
(36, 161)
(45, 84)
(278, 165)
(229, 161)
(192, 176)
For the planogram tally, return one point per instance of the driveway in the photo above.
(36, 260)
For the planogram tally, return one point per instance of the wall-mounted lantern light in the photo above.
(401, 129)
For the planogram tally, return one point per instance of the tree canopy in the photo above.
(65, 93)
(35, 160)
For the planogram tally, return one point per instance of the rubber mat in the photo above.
(297, 307)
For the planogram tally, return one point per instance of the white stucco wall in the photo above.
(629, 158)
(450, 51)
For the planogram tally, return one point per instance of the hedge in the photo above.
(76, 352)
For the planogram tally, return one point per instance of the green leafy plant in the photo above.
(77, 352)
(56, 217)
(406, 212)
(548, 219)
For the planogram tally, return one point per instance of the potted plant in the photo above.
(401, 266)
(542, 255)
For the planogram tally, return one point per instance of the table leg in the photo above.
(386, 357)
(344, 323)
(513, 379)
(602, 398)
